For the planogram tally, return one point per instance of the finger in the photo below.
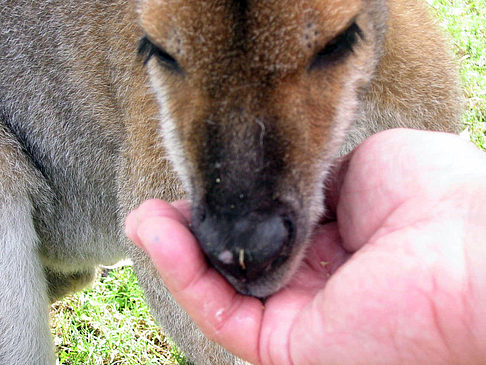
(184, 207)
(334, 183)
(219, 311)
(179, 211)
(372, 182)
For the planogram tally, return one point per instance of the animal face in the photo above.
(256, 98)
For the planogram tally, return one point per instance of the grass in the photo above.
(465, 21)
(111, 324)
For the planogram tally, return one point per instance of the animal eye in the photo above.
(338, 47)
(147, 49)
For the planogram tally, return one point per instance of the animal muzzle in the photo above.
(247, 246)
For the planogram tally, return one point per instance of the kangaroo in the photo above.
(242, 105)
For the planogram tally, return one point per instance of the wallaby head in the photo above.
(256, 98)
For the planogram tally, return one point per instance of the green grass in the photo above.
(110, 323)
(465, 20)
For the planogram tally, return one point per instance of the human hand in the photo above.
(398, 277)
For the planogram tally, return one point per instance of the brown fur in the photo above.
(248, 122)
(249, 107)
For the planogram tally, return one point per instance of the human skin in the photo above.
(395, 275)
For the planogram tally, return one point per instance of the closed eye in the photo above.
(337, 48)
(147, 49)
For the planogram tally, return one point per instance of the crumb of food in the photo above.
(242, 259)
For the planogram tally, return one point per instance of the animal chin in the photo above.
(262, 285)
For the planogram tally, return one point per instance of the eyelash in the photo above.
(147, 49)
(338, 48)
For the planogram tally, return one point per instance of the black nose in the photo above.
(247, 246)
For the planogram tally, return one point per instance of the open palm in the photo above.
(397, 276)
